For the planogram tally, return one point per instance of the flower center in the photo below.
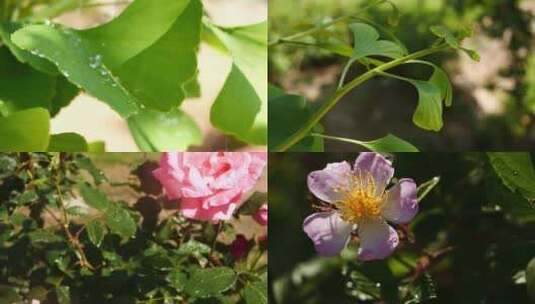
(360, 199)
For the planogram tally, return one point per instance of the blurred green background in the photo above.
(481, 232)
(494, 100)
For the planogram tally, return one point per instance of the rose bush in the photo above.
(69, 233)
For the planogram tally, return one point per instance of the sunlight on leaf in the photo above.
(241, 107)
(25, 131)
(428, 113)
(157, 131)
(67, 142)
(389, 143)
(116, 62)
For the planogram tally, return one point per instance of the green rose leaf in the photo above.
(94, 198)
(255, 293)
(241, 107)
(96, 231)
(120, 221)
(210, 282)
(25, 131)
(516, 171)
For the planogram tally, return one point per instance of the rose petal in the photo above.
(378, 166)
(401, 204)
(261, 216)
(170, 182)
(324, 183)
(197, 185)
(377, 240)
(328, 232)
(192, 208)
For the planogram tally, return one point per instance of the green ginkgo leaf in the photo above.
(241, 107)
(428, 113)
(25, 131)
(158, 131)
(22, 87)
(139, 59)
(389, 143)
(67, 142)
(38, 63)
(367, 43)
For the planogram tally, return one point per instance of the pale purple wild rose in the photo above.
(358, 199)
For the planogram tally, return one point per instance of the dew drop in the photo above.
(95, 61)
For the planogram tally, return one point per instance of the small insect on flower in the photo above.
(358, 199)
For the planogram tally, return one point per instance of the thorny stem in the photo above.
(344, 90)
(425, 262)
(64, 222)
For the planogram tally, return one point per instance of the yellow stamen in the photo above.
(360, 200)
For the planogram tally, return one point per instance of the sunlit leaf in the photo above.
(256, 292)
(210, 282)
(389, 143)
(95, 231)
(428, 113)
(25, 131)
(367, 43)
(241, 107)
(158, 131)
(67, 142)
(116, 62)
(38, 63)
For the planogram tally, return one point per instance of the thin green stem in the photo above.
(217, 232)
(424, 189)
(342, 139)
(340, 93)
(255, 260)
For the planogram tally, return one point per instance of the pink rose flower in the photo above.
(359, 199)
(210, 185)
(261, 216)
